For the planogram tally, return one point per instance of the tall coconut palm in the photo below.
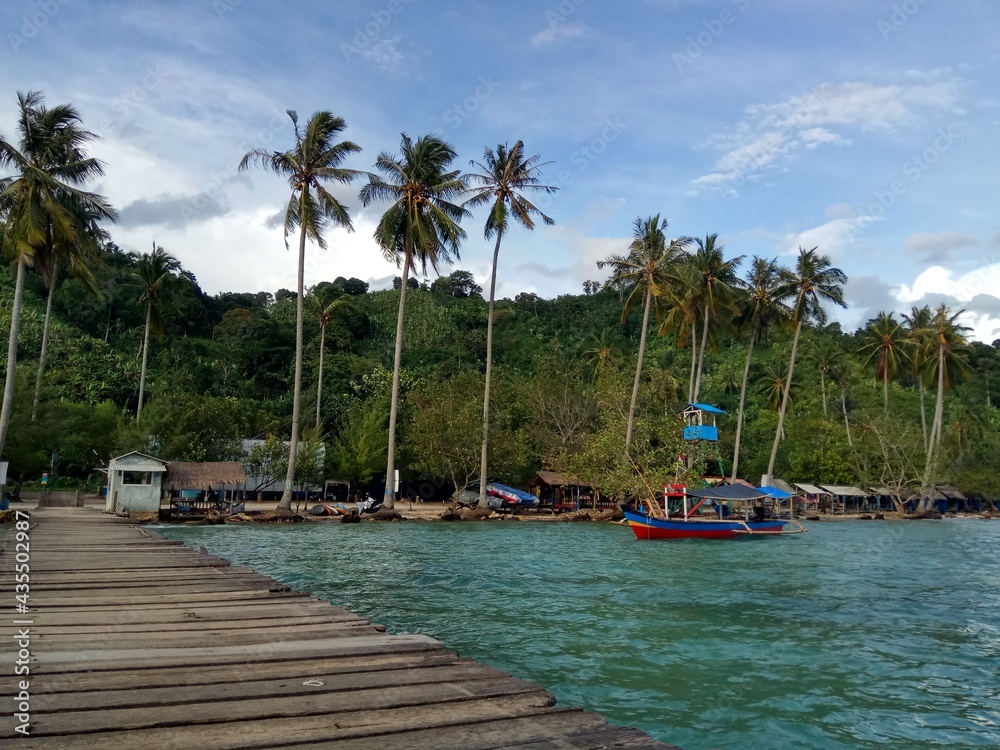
(49, 167)
(842, 376)
(813, 281)
(883, 343)
(758, 308)
(153, 273)
(602, 350)
(310, 166)
(421, 227)
(713, 283)
(918, 338)
(646, 268)
(824, 355)
(947, 336)
(326, 313)
(506, 175)
(79, 258)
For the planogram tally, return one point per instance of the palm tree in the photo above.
(773, 385)
(842, 376)
(312, 164)
(603, 350)
(883, 342)
(667, 387)
(49, 167)
(918, 327)
(714, 281)
(947, 336)
(325, 314)
(814, 280)
(824, 354)
(646, 268)
(153, 272)
(79, 258)
(420, 227)
(506, 175)
(758, 308)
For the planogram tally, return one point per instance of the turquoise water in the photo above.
(857, 634)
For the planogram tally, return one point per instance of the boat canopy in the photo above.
(729, 492)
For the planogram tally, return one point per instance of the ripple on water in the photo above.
(855, 635)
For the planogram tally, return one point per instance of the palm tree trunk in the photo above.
(701, 357)
(885, 391)
(739, 413)
(936, 425)
(847, 422)
(293, 445)
(489, 370)
(638, 369)
(923, 409)
(390, 466)
(784, 405)
(45, 345)
(822, 387)
(694, 361)
(145, 357)
(319, 378)
(15, 329)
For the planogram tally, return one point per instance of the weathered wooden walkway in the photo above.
(138, 642)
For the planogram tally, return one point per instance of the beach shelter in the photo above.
(846, 494)
(135, 482)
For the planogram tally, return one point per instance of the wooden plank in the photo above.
(304, 730)
(314, 666)
(453, 672)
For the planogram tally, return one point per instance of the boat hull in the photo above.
(648, 527)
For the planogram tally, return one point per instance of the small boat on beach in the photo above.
(688, 521)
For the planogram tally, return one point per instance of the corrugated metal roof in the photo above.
(707, 407)
(136, 461)
(782, 485)
(844, 490)
(810, 489)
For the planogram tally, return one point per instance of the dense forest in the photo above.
(138, 357)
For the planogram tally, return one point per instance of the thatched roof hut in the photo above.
(201, 476)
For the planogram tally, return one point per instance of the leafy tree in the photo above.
(153, 272)
(813, 281)
(883, 343)
(267, 461)
(505, 175)
(360, 445)
(948, 338)
(713, 282)
(602, 350)
(312, 164)
(420, 227)
(646, 268)
(918, 339)
(758, 309)
(36, 202)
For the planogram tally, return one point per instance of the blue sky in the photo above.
(866, 128)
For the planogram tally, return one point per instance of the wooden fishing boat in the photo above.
(687, 518)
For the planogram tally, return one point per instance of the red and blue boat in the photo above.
(708, 514)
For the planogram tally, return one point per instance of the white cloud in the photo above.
(974, 291)
(556, 31)
(771, 132)
(384, 55)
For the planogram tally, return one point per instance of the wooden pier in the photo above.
(138, 642)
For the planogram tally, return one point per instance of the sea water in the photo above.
(854, 635)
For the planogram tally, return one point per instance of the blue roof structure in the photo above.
(708, 408)
(776, 493)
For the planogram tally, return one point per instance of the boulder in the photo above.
(351, 516)
(452, 513)
(386, 514)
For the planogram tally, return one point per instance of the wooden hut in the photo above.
(557, 491)
(135, 483)
(203, 486)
